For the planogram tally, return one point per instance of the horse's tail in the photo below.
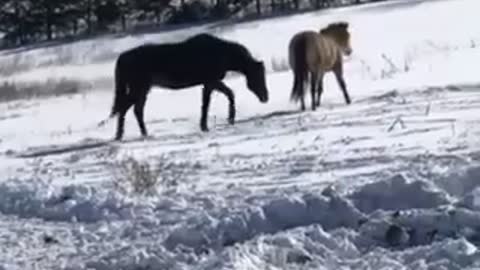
(120, 88)
(299, 66)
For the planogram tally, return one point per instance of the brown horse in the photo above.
(316, 53)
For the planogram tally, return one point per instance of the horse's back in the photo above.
(319, 51)
(204, 39)
(327, 51)
(196, 60)
(194, 52)
(299, 43)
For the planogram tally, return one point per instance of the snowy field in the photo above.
(390, 182)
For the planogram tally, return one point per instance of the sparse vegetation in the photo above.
(280, 64)
(140, 177)
(15, 63)
(392, 68)
(398, 120)
(13, 91)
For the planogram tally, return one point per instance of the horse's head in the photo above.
(339, 32)
(256, 80)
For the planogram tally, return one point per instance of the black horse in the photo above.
(202, 59)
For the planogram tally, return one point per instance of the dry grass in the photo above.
(139, 177)
(279, 64)
(53, 87)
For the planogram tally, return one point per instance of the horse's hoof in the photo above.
(231, 121)
(204, 129)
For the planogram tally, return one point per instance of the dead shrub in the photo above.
(133, 176)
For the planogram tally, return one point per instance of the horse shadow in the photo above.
(96, 144)
(58, 149)
(83, 145)
(268, 116)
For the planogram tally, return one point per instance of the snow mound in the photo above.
(387, 223)
(140, 258)
(471, 200)
(461, 182)
(314, 248)
(274, 216)
(397, 193)
(69, 203)
(422, 227)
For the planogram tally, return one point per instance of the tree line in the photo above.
(27, 21)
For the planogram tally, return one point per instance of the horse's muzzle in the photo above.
(263, 98)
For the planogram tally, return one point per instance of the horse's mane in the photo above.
(236, 46)
(334, 26)
(240, 50)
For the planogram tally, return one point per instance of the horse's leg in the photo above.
(302, 98)
(206, 93)
(138, 111)
(302, 104)
(338, 71)
(121, 117)
(313, 86)
(221, 87)
(319, 88)
(299, 85)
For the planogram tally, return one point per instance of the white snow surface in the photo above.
(391, 181)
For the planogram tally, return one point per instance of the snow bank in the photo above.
(314, 248)
(471, 200)
(388, 223)
(277, 215)
(69, 203)
(419, 227)
(398, 192)
(132, 258)
(467, 179)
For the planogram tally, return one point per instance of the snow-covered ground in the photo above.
(389, 182)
